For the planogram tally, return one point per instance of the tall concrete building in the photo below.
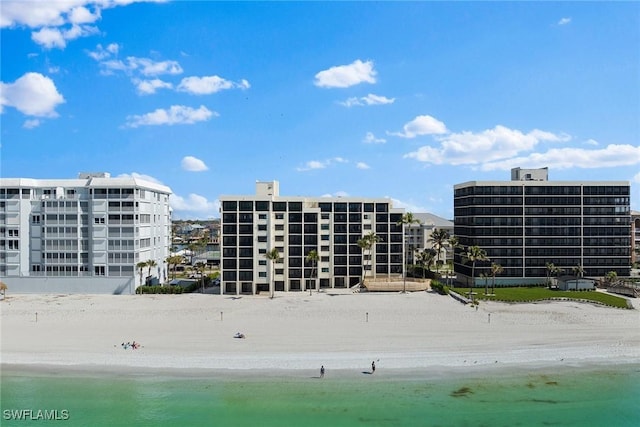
(527, 222)
(82, 235)
(253, 225)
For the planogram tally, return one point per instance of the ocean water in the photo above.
(543, 397)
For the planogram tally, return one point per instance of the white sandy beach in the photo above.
(298, 331)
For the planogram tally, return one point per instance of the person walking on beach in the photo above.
(373, 367)
(322, 371)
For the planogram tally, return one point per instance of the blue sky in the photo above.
(385, 99)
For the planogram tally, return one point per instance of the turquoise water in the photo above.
(576, 397)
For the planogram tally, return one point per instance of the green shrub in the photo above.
(439, 287)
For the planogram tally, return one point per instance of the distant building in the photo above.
(82, 235)
(527, 222)
(635, 236)
(418, 235)
(253, 225)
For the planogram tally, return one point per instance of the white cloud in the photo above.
(362, 165)
(102, 53)
(487, 146)
(564, 21)
(194, 206)
(193, 164)
(370, 138)
(32, 94)
(49, 38)
(175, 115)
(312, 164)
(82, 15)
(370, 99)
(342, 76)
(54, 37)
(591, 142)
(209, 84)
(143, 66)
(320, 164)
(31, 123)
(148, 87)
(141, 176)
(564, 158)
(421, 125)
(149, 67)
(407, 206)
(55, 22)
(336, 194)
(636, 178)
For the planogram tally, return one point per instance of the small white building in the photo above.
(572, 283)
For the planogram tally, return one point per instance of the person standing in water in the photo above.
(373, 367)
(322, 371)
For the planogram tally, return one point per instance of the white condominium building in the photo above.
(251, 226)
(82, 235)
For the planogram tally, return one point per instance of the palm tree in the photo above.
(312, 257)
(407, 219)
(438, 239)
(200, 267)
(552, 270)
(199, 245)
(495, 270)
(611, 277)
(425, 259)
(453, 244)
(174, 260)
(578, 270)
(150, 264)
(472, 255)
(141, 266)
(366, 243)
(274, 256)
(485, 276)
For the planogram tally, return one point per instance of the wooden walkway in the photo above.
(625, 289)
(378, 286)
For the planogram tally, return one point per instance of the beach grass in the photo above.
(531, 294)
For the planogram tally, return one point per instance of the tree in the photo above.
(141, 266)
(312, 257)
(274, 256)
(485, 276)
(407, 219)
(495, 270)
(425, 259)
(472, 255)
(366, 244)
(174, 260)
(578, 270)
(200, 268)
(552, 271)
(611, 277)
(453, 244)
(438, 240)
(150, 264)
